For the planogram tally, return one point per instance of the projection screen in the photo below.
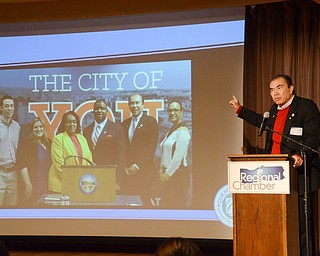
(192, 57)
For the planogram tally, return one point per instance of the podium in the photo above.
(89, 183)
(266, 224)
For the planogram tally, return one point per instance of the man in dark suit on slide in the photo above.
(141, 135)
(106, 140)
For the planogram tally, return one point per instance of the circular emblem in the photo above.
(223, 206)
(88, 184)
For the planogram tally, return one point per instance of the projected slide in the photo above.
(48, 93)
(169, 169)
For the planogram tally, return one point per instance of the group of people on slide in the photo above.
(36, 161)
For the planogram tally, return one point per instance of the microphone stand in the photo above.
(303, 150)
(76, 156)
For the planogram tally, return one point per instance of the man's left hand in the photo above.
(298, 160)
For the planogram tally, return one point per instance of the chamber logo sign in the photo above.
(88, 184)
(223, 206)
(265, 178)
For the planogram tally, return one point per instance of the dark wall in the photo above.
(44, 10)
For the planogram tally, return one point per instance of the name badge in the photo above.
(296, 131)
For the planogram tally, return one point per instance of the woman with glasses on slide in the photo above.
(174, 173)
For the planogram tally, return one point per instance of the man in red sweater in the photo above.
(298, 119)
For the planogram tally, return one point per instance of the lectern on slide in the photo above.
(266, 224)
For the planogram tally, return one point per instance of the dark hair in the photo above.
(175, 101)
(100, 100)
(5, 97)
(61, 127)
(285, 77)
(142, 98)
(178, 246)
(44, 138)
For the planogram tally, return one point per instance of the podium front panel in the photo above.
(259, 177)
(266, 224)
(89, 183)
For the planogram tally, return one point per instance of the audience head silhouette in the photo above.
(178, 246)
(3, 249)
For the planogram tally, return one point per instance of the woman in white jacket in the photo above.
(174, 174)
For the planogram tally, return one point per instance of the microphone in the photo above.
(262, 125)
(86, 159)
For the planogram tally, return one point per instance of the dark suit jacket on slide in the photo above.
(141, 151)
(110, 148)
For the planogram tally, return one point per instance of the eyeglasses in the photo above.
(175, 110)
(71, 122)
(99, 109)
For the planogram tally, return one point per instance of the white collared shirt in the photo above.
(287, 104)
(102, 125)
(133, 119)
(137, 120)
